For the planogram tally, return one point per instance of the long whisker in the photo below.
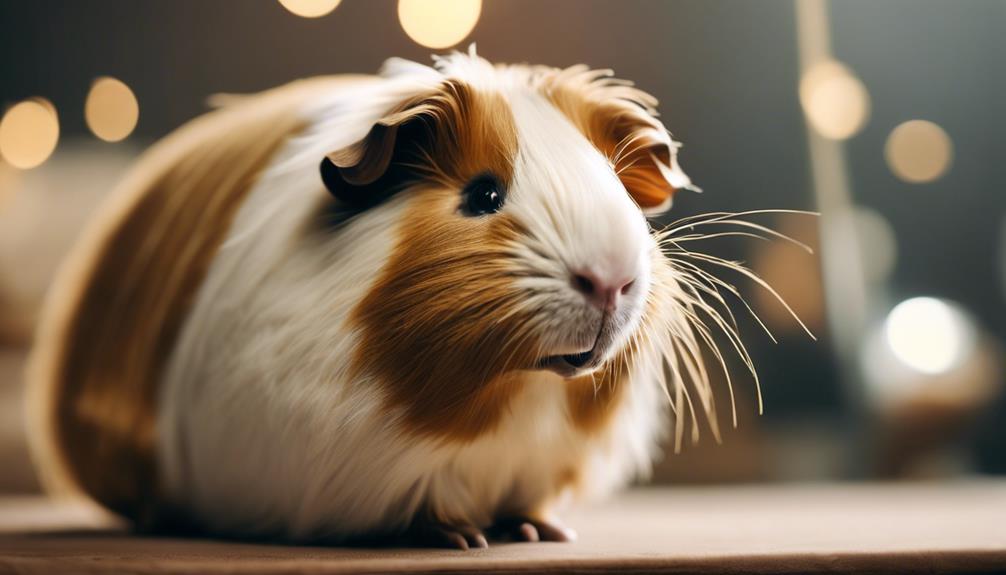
(715, 281)
(711, 217)
(758, 227)
(732, 337)
(740, 268)
(741, 223)
(704, 393)
(701, 302)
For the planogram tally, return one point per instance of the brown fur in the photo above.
(431, 329)
(464, 132)
(431, 324)
(119, 301)
(592, 399)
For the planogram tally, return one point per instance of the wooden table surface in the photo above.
(895, 528)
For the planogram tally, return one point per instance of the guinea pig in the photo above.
(425, 304)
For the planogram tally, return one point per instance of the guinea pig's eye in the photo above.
(484, 194)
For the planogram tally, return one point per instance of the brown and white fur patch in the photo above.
(335, 376)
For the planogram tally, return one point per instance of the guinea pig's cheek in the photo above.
(443, 325)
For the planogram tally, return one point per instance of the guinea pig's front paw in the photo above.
(532, 529)
(434, 534)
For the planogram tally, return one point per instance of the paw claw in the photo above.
(533, 530)
(480, 541)
(457, 540)
(529, 533)
(436, 535)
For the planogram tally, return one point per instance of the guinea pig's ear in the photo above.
(621, 121)
(645, 159)
(360, 174)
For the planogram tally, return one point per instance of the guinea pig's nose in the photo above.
(600, 291)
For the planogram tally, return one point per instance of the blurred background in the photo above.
(886, 117)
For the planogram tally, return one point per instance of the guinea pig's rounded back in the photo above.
(121, 297)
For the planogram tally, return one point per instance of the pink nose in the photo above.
(601, 292)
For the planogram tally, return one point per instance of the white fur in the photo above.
(262, 431)
(578, 214)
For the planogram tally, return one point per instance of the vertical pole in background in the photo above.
(842, 268)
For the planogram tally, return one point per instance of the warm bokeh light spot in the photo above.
(29, 132)
(111, 110)
(834, 100)
(793, 273)
(928, 334)
(919, 151)
(310, 8)
(438, 23)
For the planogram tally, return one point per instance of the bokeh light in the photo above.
(835, 101)
(928, 334)
(29, 133)
(111, 109)
(793, 273)
(919, 151)
(310, 8)
(438, 23)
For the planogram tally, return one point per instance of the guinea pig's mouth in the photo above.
(570, 365)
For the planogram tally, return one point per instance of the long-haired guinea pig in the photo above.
(425, 303)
